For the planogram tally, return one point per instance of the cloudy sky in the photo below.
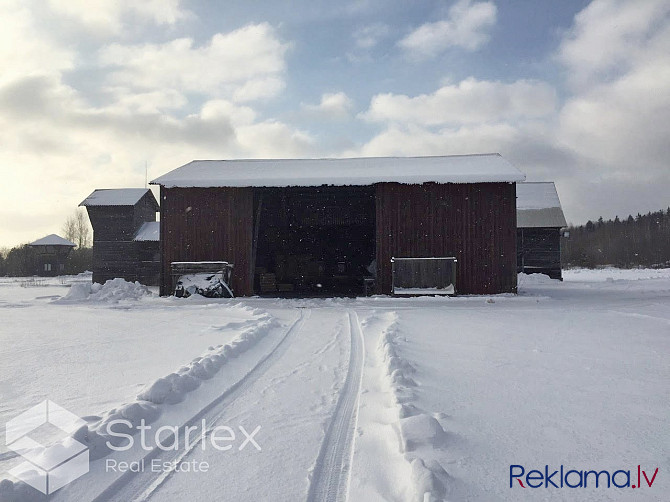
(91, 91)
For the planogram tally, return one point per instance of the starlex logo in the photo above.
(573, 478)
(47, 468)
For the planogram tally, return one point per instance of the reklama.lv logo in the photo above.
(574, 478)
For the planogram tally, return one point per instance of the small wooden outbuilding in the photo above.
(50, 254)
(310, 226)
(125, 243)
(539, 221)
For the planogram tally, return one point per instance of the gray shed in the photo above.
(539, 219)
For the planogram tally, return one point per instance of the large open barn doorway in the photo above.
(313, 240)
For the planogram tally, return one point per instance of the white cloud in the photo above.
(21, 55)
(263, 87)
(470, 101)
(273, 139)
(606, 144)
(466, 27)
(218, 109)
(369, 36)
(609, 37)
(146, 102)
(107, 16)
(249, 61)
(143, 113)
(333, 105)
(417, 140)
(618, 118)
(73, 147)
(623, 125)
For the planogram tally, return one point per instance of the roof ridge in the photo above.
(286, 159)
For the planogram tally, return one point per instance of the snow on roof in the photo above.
(149, 231)
(538, 205)
(359, 171)
(52, 240)
(115, 197)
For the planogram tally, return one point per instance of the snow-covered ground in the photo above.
(370, 399)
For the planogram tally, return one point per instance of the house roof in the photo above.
(538, 205)
(52, 240)
(149, 231)
(116, 197)
(480, 168)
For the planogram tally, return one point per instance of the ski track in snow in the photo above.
(140, 487)
(330, 478)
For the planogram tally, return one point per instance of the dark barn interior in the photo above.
(313, 240)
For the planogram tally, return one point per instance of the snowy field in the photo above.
(375, 399)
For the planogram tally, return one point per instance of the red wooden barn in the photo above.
(310, 226)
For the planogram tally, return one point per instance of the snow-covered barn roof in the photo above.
(538, 205)
(52, 240)
(149, 231)
(481, 168)
(115, 197)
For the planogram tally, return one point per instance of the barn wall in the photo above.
(539, 251)
(207, 224)
(112, 223)
(145, 210)
(115, 253)
(476, 223)
(56, 256)
(112, 259)
(148, 264)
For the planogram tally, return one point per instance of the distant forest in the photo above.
(640, 241)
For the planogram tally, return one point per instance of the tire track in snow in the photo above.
(141, 486)
(330, 478)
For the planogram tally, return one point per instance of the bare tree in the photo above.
(77, 229)
(70, 229)
(83, 230)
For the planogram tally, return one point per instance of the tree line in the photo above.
(20, 261)
(640, 241)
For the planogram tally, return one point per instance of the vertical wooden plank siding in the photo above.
(539, 251)
(207, 224)
(475, 222)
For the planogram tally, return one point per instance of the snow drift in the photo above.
(174, 387)
(417, 430)
(113, 291)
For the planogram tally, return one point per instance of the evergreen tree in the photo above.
(643, 240)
